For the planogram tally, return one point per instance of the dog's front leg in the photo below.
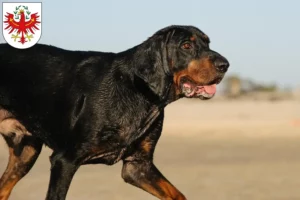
(145, 175)
(62, 172)
(139, 170)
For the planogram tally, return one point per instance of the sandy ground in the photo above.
(212, 150)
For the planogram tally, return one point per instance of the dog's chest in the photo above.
(121, 141)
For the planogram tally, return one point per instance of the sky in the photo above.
(261, 39)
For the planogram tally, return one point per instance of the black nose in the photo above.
(221, 64)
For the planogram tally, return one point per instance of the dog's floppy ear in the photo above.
(153, 75)
(154, 68)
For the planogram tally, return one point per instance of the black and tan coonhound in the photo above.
(96, 107)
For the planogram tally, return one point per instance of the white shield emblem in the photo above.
(22, 24)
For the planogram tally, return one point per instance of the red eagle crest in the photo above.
(22, 27)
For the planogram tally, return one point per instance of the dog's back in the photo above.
(39, 83)
(40, 68)
(32, 80)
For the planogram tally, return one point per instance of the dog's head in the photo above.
(183, 53)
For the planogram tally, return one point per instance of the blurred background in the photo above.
(244, 144)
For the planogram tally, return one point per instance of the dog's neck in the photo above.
(147, 73)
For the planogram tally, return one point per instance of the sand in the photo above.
(211, 150)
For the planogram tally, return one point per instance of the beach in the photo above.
(210, 150)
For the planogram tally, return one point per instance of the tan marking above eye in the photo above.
(187, 45)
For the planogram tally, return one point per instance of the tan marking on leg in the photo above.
(170, 190)
(166, 190)
(22, 156)
(150, 189)
(7, 182)
(4, 114)
(11, 127)
(146, 146)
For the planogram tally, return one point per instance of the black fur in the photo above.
(91, 107)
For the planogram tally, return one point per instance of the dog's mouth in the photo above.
(190, 89)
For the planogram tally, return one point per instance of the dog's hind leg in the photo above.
(22, 156)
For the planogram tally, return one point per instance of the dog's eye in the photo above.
(187, 45)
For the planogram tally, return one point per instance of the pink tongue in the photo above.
(210, 89)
